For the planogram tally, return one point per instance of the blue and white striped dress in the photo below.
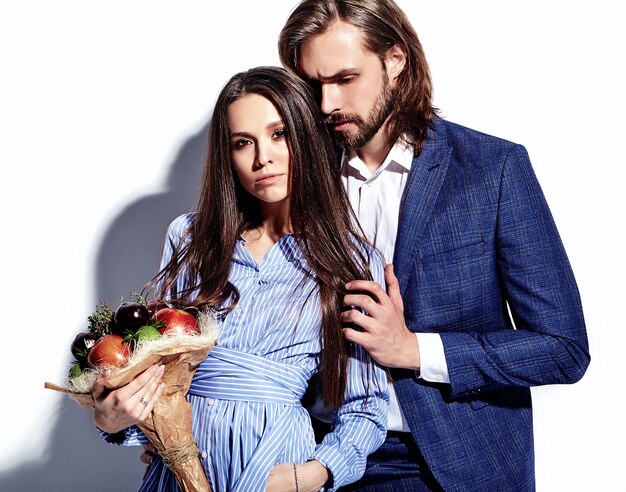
(246, 394)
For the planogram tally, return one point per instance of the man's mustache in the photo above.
(337, 118)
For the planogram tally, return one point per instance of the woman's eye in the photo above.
(242, 142)
(280, 134)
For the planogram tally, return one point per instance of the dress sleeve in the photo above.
(360, 425)
(176, 233)
(130, 436)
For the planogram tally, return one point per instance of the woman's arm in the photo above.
(359, 429)
(361, 422)
(305, 477)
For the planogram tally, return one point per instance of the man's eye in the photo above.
(315, 85)
(346, 80)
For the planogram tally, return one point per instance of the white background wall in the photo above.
(103, 110)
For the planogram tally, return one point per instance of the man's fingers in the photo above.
(362, 301)
(393, 286)
(368, 287)
(357, 317)
(358, 337)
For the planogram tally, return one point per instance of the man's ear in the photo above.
(395, 61)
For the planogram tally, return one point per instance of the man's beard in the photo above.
(365, 129)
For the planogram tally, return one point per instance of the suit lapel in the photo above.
(424, 182)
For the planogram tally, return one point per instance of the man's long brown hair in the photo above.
(384, 25)
(321, 217)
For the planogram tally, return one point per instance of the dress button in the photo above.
(439, 377)
(210, 401)
(204, 454)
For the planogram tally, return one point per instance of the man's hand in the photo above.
(312, 476)
(385, 335)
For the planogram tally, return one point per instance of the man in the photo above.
(483, 304)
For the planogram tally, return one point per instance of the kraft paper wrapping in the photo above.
(169, 426)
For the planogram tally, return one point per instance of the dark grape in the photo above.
(154, 305)
(129, 316)
(82, 344)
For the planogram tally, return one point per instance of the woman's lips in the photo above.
(268, 180)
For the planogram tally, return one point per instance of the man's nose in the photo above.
(330, 99)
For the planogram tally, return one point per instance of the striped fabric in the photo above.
(232, 375)
(246, 395)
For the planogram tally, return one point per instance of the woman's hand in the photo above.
(312, 476)
(148, 455)
(120, 408)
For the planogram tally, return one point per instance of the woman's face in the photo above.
(258, 143)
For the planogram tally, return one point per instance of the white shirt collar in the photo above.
(401, 154)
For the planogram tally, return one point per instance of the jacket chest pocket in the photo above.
(452, 285)
(445, 254)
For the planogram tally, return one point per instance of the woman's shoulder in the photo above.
(180, 225)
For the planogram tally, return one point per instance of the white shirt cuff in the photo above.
(433, 366)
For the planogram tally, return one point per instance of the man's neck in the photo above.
(374, 152)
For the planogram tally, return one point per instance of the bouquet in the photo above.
(129, 340)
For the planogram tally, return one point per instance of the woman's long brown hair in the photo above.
(321, 216)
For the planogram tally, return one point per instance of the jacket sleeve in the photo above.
(548, 343)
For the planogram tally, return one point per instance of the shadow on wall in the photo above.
(78, 459)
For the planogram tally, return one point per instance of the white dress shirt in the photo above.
(376, 199)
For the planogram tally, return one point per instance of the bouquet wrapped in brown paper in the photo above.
(169, 425)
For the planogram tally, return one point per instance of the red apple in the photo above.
(110, 351)
(177, 322)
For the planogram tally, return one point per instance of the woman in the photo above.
(270, 248)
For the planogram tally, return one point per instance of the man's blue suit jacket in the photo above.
(476, 233)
